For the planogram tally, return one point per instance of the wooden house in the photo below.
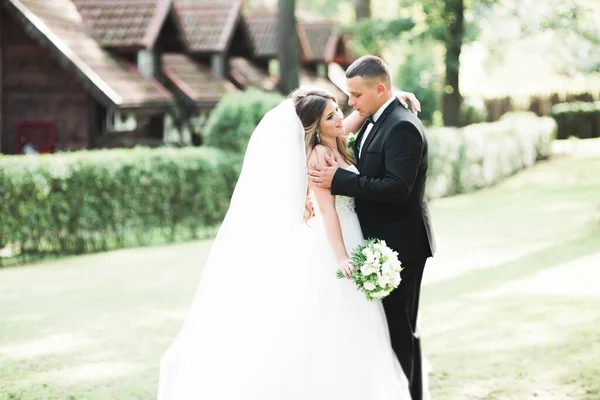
(80, 74)
(319, 46)
(60, 89)
(161, 38)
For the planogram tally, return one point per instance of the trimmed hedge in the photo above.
(71, 203)
(578, 119)
(233, 120)
(80, 202)
(477, 156)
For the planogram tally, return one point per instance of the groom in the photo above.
(389, 192)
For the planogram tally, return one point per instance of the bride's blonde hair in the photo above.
(310, 105)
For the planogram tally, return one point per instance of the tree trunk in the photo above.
(452, 99)
(288, 46)
(363, 9)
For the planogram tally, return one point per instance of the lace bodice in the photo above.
(343, 204)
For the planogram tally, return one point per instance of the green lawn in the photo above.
(505, 316)
(494, 326)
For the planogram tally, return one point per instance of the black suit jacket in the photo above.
(389, 192)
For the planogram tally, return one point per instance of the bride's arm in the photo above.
(331, 220)
(353, 122)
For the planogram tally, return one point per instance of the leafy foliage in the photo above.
(99, 200)
(232, 122)
(419, 75)
(371, 36)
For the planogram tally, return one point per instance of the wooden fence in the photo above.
(541, 105)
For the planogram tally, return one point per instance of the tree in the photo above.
(576, 25)
(363, 9)
(288, 46)
(371, 36)
(452, 99)
(444, 21)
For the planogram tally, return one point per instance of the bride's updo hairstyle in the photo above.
(310, 105)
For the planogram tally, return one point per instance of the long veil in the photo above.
(248, 292)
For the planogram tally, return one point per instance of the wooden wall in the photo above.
(34, 87)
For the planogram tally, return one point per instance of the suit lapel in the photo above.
(377, 127)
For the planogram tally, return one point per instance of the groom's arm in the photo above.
(402, 154)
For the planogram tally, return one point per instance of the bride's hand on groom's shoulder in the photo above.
(321, 176)
(406, 97)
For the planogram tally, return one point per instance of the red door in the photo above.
(38, 134)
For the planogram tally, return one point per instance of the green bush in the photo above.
(236, 116)
(99, 200)
(577, 119)
(477, 156)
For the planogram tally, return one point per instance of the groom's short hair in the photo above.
(370, 67)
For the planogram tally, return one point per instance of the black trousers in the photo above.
(401, 309)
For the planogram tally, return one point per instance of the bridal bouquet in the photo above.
(376, 269)
(350, 139)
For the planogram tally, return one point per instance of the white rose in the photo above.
(383, 280)
(379, 294)
(396, 279)
(370, 286)
(372, 258)
(387, 268)
(391, 254)
(368, 269)
(396, 265)
(379, 247)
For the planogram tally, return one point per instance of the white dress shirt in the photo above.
(375, 118)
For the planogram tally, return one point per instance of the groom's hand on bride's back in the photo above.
(321, 176)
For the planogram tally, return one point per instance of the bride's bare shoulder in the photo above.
(318, 153)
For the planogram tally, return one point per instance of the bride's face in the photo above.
(330, 124)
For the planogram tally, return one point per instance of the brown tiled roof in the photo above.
(209, 27)
(57, 25)
(320, 39)
(124, 23)
(262, 26)
(195, 81)
(263, 33)
(248, 75)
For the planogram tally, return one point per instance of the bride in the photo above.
(270, 320)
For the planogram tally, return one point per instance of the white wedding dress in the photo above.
(270, 320)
